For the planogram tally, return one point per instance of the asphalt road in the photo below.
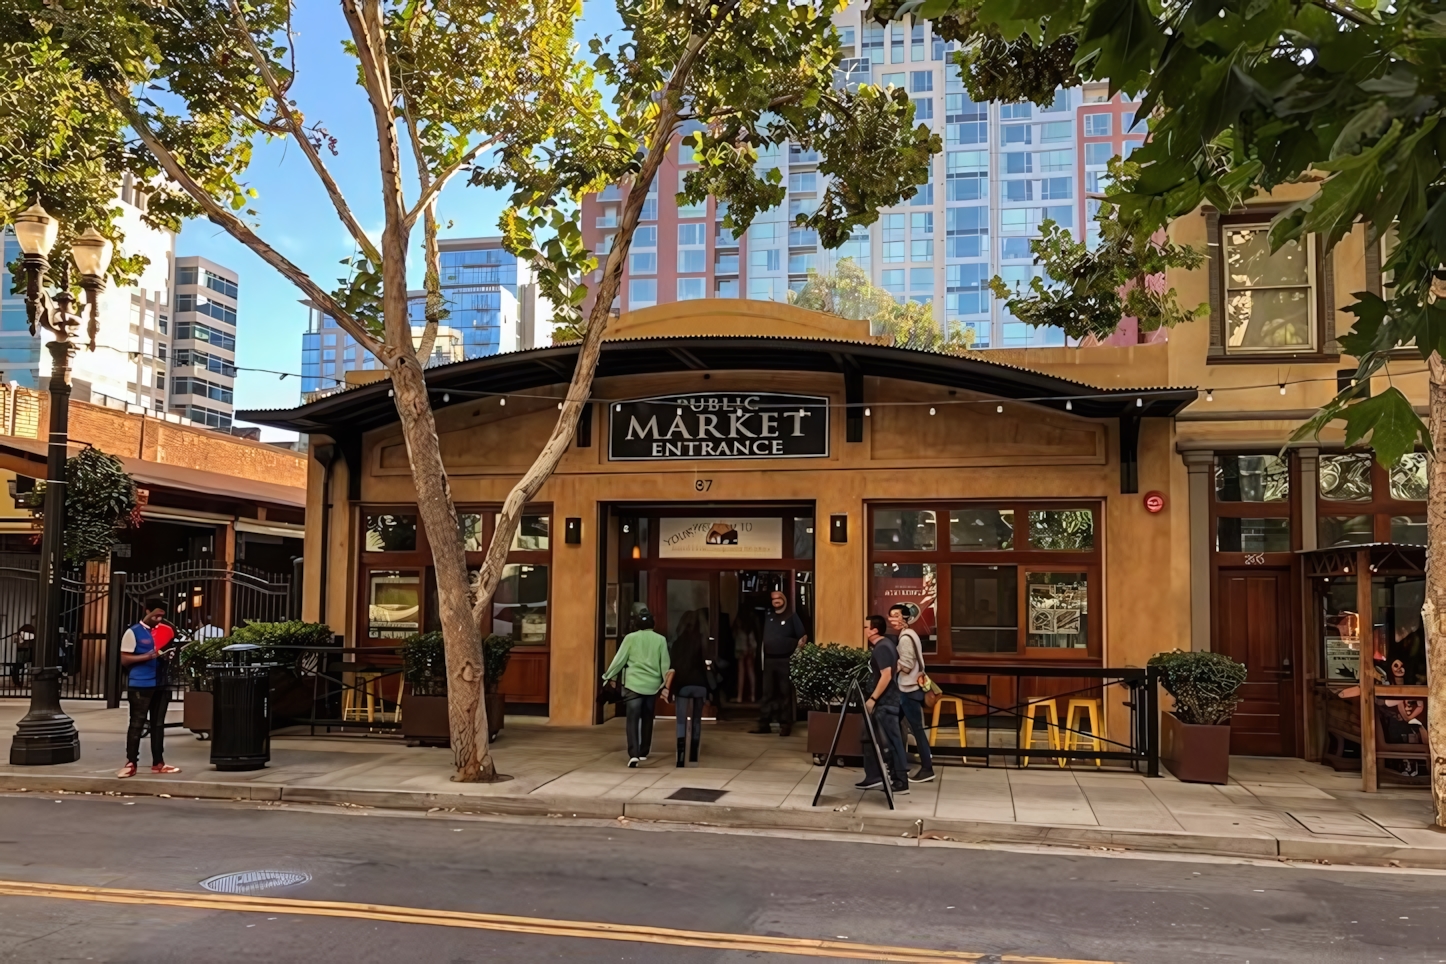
(1073, 907)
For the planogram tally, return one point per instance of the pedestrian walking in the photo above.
(687, 682)
(642, 662)
(148, 691)
(882, 707)
(911, 694)
(783, 632)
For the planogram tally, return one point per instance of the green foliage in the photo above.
(823, 675)
(197, 656)
(849, 293)
(424, 661)
(1205, 685)
(100, 498)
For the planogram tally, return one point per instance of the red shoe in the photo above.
(164, 768)
(129, 770)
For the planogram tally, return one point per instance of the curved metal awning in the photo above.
(370, 406)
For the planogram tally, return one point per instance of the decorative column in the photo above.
(1201, 468)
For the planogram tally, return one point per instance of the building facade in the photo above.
(1005, 169)
(493, 306)
(1033, 506)
(203, 344)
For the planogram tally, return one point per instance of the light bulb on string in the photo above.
(999, 409)
(1069, 406)
(931, 410)
(1209, 395)
(868, 412)
(502, 400)
(1282, 388)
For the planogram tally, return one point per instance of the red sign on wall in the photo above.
(1154, 502)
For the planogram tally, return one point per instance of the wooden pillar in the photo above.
(226, 558)
(1306, 656)
(1365, 607)
(1201, 469)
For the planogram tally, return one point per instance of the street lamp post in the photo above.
(46, 735)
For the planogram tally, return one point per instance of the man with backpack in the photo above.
(911, 693)
(148, 691)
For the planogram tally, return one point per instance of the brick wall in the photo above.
(142, 436)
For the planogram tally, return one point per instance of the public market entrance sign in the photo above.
(718, 425)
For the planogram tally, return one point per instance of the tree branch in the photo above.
(237, 228)
(433, 305)
(284, 111)
(1345, 13)
(430, 192)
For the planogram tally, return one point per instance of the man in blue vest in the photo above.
(147, 690)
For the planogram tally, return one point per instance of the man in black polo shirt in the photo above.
(881, 703)
(783, 632)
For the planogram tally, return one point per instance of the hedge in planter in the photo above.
(424, 665)
(288, 697)
(822, 677)
(1195, 738)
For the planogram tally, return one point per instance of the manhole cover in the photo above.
(250, 881)
(696, 795)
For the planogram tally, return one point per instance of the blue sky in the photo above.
(295, 216)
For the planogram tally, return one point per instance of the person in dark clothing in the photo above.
(783, 632)
(687, 681)
(147, 691)
(882, 707)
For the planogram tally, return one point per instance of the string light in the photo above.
(1139, 403)
(1209, 395)
(1000, 409)
(931, 410)
(502, 401)
(446, 398)
(1282, 388)
(1068, 406)
(867, 411)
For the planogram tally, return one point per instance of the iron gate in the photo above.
(203, 599)
(84, 631)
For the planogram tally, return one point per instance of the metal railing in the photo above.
(1140, 688)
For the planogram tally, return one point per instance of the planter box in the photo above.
(821, 726)
(1193, 753)
(424, 718)
(197, 712)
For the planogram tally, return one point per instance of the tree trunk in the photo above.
(1434, 611)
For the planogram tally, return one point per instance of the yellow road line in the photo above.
(541, 926)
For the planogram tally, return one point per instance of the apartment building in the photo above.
(203, 346)
(1004, 170)
(493, 305)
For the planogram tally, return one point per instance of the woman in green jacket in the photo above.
(642, 660)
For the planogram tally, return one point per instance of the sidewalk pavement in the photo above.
(1272, 808)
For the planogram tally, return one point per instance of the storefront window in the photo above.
(469, 524)
(1346, 530)
(904, 530)
(1251, 478)
(1408, 530)
(1340, 622)
(519, 609)
(981, 529)
(387, 532)
(1252, 535)
(984, 609)
(1062, 529)
(1058, 610)
(914, 585)
(531, 534)
(803, 537)
(393, 604)
(1345, 478)
(1409, 478)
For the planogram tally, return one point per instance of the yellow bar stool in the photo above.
(360, 698)
(1075, 716)
(956, 706)
(1027, 737)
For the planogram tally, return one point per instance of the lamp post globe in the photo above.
(35, 230)
(91, 251)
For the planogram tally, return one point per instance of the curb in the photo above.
(930, 831)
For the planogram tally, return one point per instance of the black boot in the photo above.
(682, 745)
(693, 750)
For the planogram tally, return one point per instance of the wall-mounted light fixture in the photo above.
(838, 529)
(572, 531)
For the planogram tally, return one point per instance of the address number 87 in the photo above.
(702, 485)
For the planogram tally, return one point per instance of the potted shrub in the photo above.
(822, 676)
(290, 696)
(424, 704)
(1195, 737)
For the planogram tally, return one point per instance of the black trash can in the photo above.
(241, 722)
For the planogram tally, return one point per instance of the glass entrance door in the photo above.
(685, 607)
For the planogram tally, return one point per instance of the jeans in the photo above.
(777, 704)
(641, 708)
(886, 724)
(689, 702)
(147, 704)
(913, 707)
